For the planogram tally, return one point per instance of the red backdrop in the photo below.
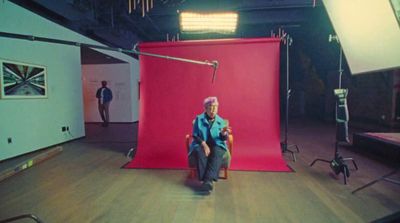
(172, 93)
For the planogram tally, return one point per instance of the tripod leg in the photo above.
(355, 165)
(346, 173)
(392, 181)
(354, 162)
(285, 149)
(294, 145)
(375, 181)
(326, 161)
(293, 155)
(366, 185)
(297, 148)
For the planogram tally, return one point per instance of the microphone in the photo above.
(215, 66)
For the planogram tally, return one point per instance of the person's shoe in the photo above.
(207, 186)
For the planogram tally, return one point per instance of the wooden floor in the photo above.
(86, 184)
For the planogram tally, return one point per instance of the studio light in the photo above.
(192, 22)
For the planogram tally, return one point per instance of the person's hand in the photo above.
(226, 130)
(205, 148)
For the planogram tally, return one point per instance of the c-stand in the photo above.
(284, 145)
(338, 164)
(384, 177)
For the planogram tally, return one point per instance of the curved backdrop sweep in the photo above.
(172, 92)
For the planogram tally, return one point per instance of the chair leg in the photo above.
(225, 176)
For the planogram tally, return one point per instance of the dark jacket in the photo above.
(107, 95)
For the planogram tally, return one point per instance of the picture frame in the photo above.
(22, 80)
(396, 9)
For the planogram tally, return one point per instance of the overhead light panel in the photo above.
(192, 22)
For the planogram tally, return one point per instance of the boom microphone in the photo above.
(215, 66)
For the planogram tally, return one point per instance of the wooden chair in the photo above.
(226, 160)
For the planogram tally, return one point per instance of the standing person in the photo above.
(104, 96)
(210, 133)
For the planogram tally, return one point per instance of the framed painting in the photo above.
(22, 80)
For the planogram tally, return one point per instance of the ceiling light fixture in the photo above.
(192, 22)
(145, 5)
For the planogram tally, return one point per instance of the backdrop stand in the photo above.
(284, 145)
(338, 164)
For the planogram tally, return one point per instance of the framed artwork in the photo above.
(22, 80)
(396, 9)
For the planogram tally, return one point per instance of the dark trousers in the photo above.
(103, 110)
(208, 167)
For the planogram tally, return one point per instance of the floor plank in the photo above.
(86, 184)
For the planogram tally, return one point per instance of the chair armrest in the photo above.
(187, 142)
(230, 143)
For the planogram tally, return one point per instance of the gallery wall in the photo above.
(34, 124)
(118, 80)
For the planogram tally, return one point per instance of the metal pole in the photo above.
(285, 147)
(336, 103)
(287, 89)
(340, 66)
(213, 63)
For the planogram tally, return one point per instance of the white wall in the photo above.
(36, 123)
(118, 79)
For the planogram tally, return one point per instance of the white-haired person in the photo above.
(210, 133)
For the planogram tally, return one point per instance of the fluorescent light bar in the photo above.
(225, 22)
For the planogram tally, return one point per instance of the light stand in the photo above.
(338, 164)
(284, 145)
(384, 177)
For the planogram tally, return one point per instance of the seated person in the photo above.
(208, 146)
